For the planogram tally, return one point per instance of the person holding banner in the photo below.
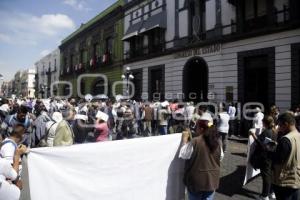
(10, 184)
(203, 156)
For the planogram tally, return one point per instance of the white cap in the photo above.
(119, 97)
(101, 115)
(57, 117)
(84, 109)
(156, 104)
(82, 117)
(206, 116)
(165, 104)
(88, 98)
(4, 108)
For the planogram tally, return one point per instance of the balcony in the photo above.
(80, 68)
(66, 71)
(145, 51)
(101, 61)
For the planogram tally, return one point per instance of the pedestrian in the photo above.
(63, 135)
(263, 142)
(223, 125)
(101, 127)
(232, 113)
(10, 144)
(148, 118)
(164, 113)
(10, 183)
(203, 156)
(258, 118)
(286, 160)
(81, 128)
(21, 117)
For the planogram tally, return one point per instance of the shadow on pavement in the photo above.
(238, 139)
(240, 154)
(232, 184)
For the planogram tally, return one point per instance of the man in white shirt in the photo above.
(231, 113)
(9, 145)
(10, 184)
(223, 125)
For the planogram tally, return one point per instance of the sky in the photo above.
(31, 29)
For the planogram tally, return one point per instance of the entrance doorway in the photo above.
(66, 90)
(138, 84)
(156, 83)
(256, 80)
(98, 87)
(256, 76)
(195, 80)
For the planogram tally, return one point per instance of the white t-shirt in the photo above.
(223, 122)
(257, 121)
(190, 111)
(8, 149)
(8, 191)
(231, 112)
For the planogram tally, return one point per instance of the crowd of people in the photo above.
(32, 123)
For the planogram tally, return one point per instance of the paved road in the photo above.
(233, 172)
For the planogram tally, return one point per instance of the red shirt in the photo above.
(103, 130)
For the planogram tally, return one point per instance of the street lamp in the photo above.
(127, 76)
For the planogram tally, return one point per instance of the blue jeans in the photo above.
(205, 195)
(163, 130)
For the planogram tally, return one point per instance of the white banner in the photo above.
(250, 171)
(144, 168)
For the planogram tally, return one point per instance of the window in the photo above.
(83, 56)
(73, 60)
(65, 62)
(136, 46)
(255, 8)
(55, 62)
(96, 50)
(197, 17)
(156, 40)
(109, 45)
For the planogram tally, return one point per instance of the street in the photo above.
(233, 172)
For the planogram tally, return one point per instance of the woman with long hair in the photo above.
(203, 156)
(263, 142)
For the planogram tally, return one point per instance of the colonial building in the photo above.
(16, 89)
(94, 51)
(28, 83)
(222, 50)
(4, 88)
(47, 70)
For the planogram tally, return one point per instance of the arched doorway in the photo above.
(66, 90)
(82, 87)
(98, 87)
(195, 80)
